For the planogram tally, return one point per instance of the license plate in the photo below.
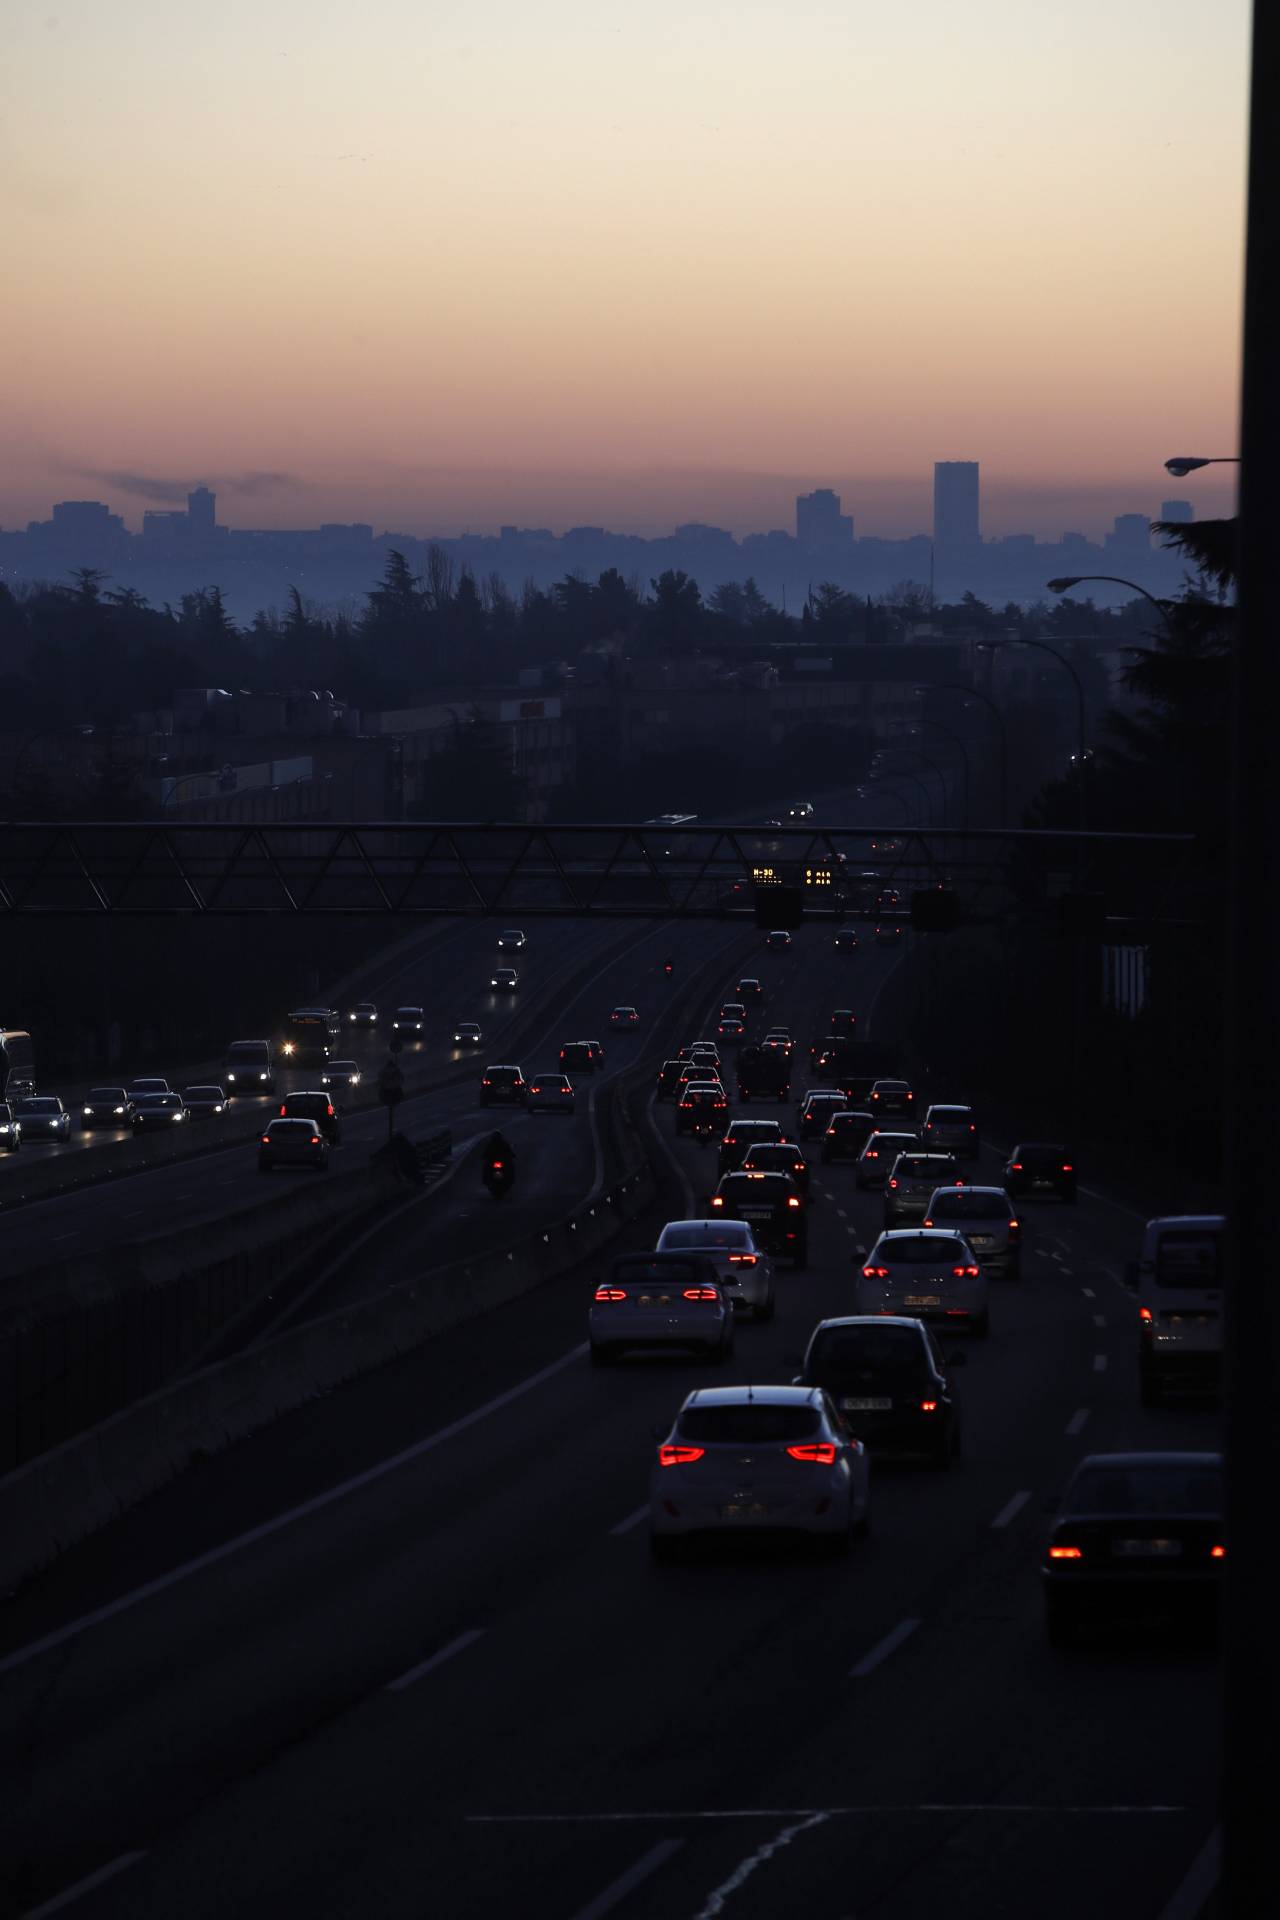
(982, 1239)
(1146, 1549)
(866, 1406)
(921, 1300)
(743, 1510)
(1042, 1183)
(754, 1213)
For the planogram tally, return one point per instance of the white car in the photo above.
(552, 1093)
(660, 1301)
(875, 1162)
(745, 1270)
(930, 1276)
(758, 1459)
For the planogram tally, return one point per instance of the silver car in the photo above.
(875, 1162)
(952, 1129)
(914, 1179)
(932, 1276)
(660, 1301)
(744, 1269)
(988, 1220)
(43, 1117)
(758, 1460)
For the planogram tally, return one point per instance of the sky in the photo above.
(443, 264)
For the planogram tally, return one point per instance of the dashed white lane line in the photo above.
(883, 1648)
(66, 1236)
(853, 1234)
(1099, 1319)
(1088, 1293)
(460, 1645)
(632, 1520)
(63, 1900)
(627, 1882)
(1077, 1421)
(842, 1212)
(1099, 1362)
(1012, 1508)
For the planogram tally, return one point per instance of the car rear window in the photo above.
(1051, 1157)
(755, 1186)
(658, 1273)
(288, 1128)
(736, 1426)
(1146, 1489)
(920, 1166)
(894, 1351)
(715, 1234)
(925, 1250)
(971, 1206)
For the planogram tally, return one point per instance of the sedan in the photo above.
(292, 1143)
(778, 1156)
(758, 1460)
(749, 988)
(744, 1269)
(624, 1018)
(778, 939)
(342, 1075)
(732, 1032)
(913, 1182)
(157, 1112)
(986, 1218)
(892, 1099)
(105, 1107)
(409, 1020)
(363, 1014)
(504, 979)
(43, 1117)
(10, 1128)
(875, 1162)
(660, 1302)
(202, 1103)
(1138, 1531)
(1041, 1172)
(933, 1276)
(846, 940)
(817, 1110)
(847, 1134)
(551, 1093)
(510, 940)
(467, 1034)
(152, 1085)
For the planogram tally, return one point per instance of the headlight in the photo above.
(90, 1110)
(114, 1109)
(351, 1016)
(262, 1076)
(218, 1109)
(177, 1116)
(288, 1046)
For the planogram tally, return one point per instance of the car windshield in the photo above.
(924, 1250)
(771, 1157)
(958, 1205)
(714, 1234)
(852, 1351)
(1146, 1488)
(39, 1104)
(1050, 1158)
(748, 1424)
(914, 1166)
(106, 1093)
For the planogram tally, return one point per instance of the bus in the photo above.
(310, 1035)
(17, 1064)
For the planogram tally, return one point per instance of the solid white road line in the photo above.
(627, 1882)
(1099, 1362)
(719, 1897)
(1077, 1421)
(883, 1648)
(1200, 1881)
(632, 1520)
(650, 1815)
(1012, 1508)
(317, 1504)
(61, 1901)
(463, 1641)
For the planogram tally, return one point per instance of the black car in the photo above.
(503, 1086)
(743, 1134)
(772, 1206)
(777, 1156)
(764, 1073)
(202, 1103)
(846, 1135)
(1139, 1532)
(106, 1107)
(846, 939)
(699, 1107)
(318, 1108)
(578, 1057)
(668, 1078)
(156, 1112)
(1036, 1169)
(888, 1378)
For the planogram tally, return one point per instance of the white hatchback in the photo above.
(660, 1301)
(746, 1272)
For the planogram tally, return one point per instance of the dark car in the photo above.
(764, 1073)
(577, 1056)
(888, 934)
(1136, 1532)
(318, 1108)
(952, 1129)
(772, 1206)
(888, 1378)
(744, 1134)
(843, 1021)
(292, 1143)
(10, 1128)
(778, 1156)
(847, 940)
(749, 988)
(847, 1134)
(43, 1117)
(503, 1086)
(668, 1078)
(1038, 1170)
(701, 1106)
(202, 1103)
(156, 1112)
(816, 1111)
(105, 1107)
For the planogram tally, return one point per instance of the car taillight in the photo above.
(1144, 1313)
(484, 1082)
(671, 1455)
(793, 1200)
(821, 1452)
(1067, 1167)
(875, 1096)
(910, 1096)
(1015, 1166)
(893, 1183)
(1217, 1553)
(1015, 1226)
(284, 1112)
(742, 1259)
(928, 1406)
(701, 1293)
(871, 1153)
(266, 1141)
(972, 1127)
(315, 1139)
(831, 1133)
(717, 1199)
(875, 1273)
(329, 1111)
(1066, 1553)
(611, 1293)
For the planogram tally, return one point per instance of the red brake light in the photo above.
(1144, 1313)
(535, 1089)
(972, 1127)
(670, 1455)
(926, 1223)
(283, 1112)
(1015, 1166)
(611, 1293)
(1067, 1167)
(717, 1199)
(315, 1139)
(973, 1272)
(893, 1183)
(821, 1452)
(742, 1259)
(875, 1273)
(1014, 1226)
(793, 1200)
(497, 1165)
(1217, 1553)
(960, 1272)
(928, 1406)
(266, 1140)
(701, 1293)
(1065, 1553)
(485, 1081)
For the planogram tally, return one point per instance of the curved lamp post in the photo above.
(1068, 580)
(1184, 463)
(989, 646)
(972, 693)
(961, 749)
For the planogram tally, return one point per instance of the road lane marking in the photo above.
(842, 1213)
(719, 1897)
(66, 1236)
(883, 1648)
(90, 1881)
(632, 1520)
(1012, 1508)
(1077, 1421)
(463, 1641)
(1099, 1319)
(853, 1231)
(1099, 1362)
(317, 1504)
(627, 1882)
(1199, 1882)
(1088, 1293)
(877, 1807)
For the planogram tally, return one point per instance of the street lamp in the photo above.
(1184, 463)
(906, 801)
(989, 646)
(972, 693)
(911, 727)
(901, 773)
(1068, 580)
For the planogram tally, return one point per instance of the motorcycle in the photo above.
(498, 1176)
(668, 967)
(703, 1132)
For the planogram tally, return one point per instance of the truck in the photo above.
(764, 1073)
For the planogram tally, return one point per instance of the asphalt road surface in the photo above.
(405, 1653)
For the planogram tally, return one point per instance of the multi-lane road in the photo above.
(405, 1652)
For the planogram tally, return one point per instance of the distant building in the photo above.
(201, 515)
(1179, 510)
(1132, 534)
(84, 520)
(819, 521)
(956, 518)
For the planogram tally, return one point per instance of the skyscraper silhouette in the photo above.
(955, 503)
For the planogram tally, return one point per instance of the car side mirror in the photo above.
(1131, 1275)
(957, 1360)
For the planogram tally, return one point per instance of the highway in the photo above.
(405, 1653)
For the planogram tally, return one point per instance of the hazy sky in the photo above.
(443, 263)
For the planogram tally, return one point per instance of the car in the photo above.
(913, 1180)
(363, 1014)
(318, 1108)
(732, 1032)
(1037, 1170)
(156, 1112)
(504, 979)
(743, 1268)
(888, 903)
(741, 1135)
(660, 1301)
(888, 934)
(105, 1107)
(929, 1275)
(734, 1010)
(342, 1074)
(292, 1142)
(892, 1099)
(856, 1087)
(777, 1156)
(749, 988)
(467, 1034)
(764, 1073)
(758, 1459)
(887, 1376)
(249, 1067)
(409, 1021)
(952, 1129)
(624, 1017)
(875, 1162)
(578, 1056)
(701, 1105)
(848, 1131)
(817, 1109)
(703, 1050)
(778, 1037)
(772, 1205)
(1135, 1533)
(847, 940)
(843, 1021)
(43, 1117)
(503, 1085)
(150, 1084)
(669, 1082)
(802, 810)
(1178, 1280)
(693, 1072)
(551, 1093)
(510, 940)
(10, 1128)
(597, 1053)
(989, 1222)
(778, 939)
(204, 1102)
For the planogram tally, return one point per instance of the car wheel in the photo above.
(1061, 1619)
